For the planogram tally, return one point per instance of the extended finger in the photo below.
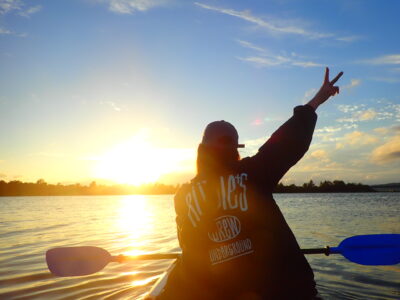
(326, 75)
(336, 78)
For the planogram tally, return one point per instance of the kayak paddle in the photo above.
(86, 260)
(369, 250)
(375, 249)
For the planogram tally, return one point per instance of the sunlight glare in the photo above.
(135, 218)
(136, 161)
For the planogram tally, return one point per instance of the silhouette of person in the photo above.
(235, 241)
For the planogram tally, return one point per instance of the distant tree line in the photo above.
(41, 188)
(336, 186)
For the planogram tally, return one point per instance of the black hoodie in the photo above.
(235, 241)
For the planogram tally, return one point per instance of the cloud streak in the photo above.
(265, 59)
(358, 138)
(272, 26)
(4, 31)
(131, 6)
(391, 59)
(9, 6)
(351, 38)
(321, 155)
(360, 113)
(268, 25)
(249, 45)
(17, 7)
(388, 152)
(30, 11)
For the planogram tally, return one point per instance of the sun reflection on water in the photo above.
(145, 281)
(136, 221)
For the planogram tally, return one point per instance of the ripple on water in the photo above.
(132, 224)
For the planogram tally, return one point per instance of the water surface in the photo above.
(141, 224)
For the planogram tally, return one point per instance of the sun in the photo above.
(137, 161)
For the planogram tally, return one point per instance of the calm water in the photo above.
(133, 224)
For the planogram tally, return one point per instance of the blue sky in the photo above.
(80, 78)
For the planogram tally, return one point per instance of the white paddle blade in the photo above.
(76, 261)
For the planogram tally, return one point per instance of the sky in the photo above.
(121, 90)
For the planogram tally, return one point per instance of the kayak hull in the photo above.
(160, 284)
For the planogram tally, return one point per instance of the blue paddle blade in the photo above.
(371, 250)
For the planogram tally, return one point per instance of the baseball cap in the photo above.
(221, 133)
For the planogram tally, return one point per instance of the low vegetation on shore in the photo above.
(41, 188)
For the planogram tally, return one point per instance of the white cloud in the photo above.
(330, 133)
(339, 146)
(306, 64)
(7, 6)
(382, 130)
(350, 108)
(353, 83)
(351, 38)
(391, 59)
(266, 59)
(276, 60)
(358, 138)
(385, 110)
(4, 31)
(18, 7)
(263, 61)
(328, 129)
(271, 26)
(251, 46)
(363, 115)
(30, 11)
(131, 6)
(320, 155)
(388, 152)
(360, 115)
(366, 115)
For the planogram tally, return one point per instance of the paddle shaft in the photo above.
(124, 258)
(325, 251)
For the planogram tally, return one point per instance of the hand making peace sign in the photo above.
(326, 91)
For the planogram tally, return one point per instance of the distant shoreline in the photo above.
(150, 194)
(100, 195)
(41, 188)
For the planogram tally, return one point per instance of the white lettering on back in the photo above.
(231, 196)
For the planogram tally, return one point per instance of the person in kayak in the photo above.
(235, 242)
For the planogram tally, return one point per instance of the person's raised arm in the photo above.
(290, 142)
